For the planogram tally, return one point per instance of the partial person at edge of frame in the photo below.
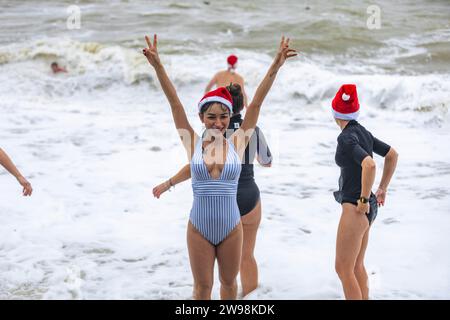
(7, 163)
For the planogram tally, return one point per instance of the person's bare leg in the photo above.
(249, 268)
(201, 257)
(228, 255)
(360, 270)
(351, 230)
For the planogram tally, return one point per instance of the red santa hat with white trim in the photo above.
(345, 104)
(221, 95)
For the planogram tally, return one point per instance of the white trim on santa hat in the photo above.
(223, 101)
(345, 116)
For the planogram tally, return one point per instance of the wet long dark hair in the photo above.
(238, 98)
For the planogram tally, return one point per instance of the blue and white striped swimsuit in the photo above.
(215, 212)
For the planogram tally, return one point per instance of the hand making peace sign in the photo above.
(151, 53)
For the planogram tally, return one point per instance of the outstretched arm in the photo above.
(252, 114)
(7, 163)
(185, 130)
(390, 163)
(182, 175)
(211, 83)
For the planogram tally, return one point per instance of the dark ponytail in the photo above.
(238, 98)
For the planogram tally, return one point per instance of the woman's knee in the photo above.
(247, 259)
(228, 279)
(228, 282)
(203, 288)
(360, 268)
(343, 269)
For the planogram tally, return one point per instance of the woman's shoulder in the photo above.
(347, 137)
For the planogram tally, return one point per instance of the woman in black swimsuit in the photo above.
(359, 205)
(248, 196)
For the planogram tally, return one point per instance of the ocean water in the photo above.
(95, 141)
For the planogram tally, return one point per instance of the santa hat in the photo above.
(345, 104)
(232, 59)
(221, 95)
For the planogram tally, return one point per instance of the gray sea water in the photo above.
(95, 141)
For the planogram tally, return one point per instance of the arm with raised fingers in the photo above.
(182, 124)
(252, 113)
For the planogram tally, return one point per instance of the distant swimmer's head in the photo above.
(215, 109)
(54, 67)
(232, 62)
(345, 105)
(237, 96)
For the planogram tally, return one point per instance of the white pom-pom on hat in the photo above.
(345, 105)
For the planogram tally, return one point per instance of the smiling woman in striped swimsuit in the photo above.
(248, 195)
(214, 228)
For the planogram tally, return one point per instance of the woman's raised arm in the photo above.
(187, 134)
(242, 135)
